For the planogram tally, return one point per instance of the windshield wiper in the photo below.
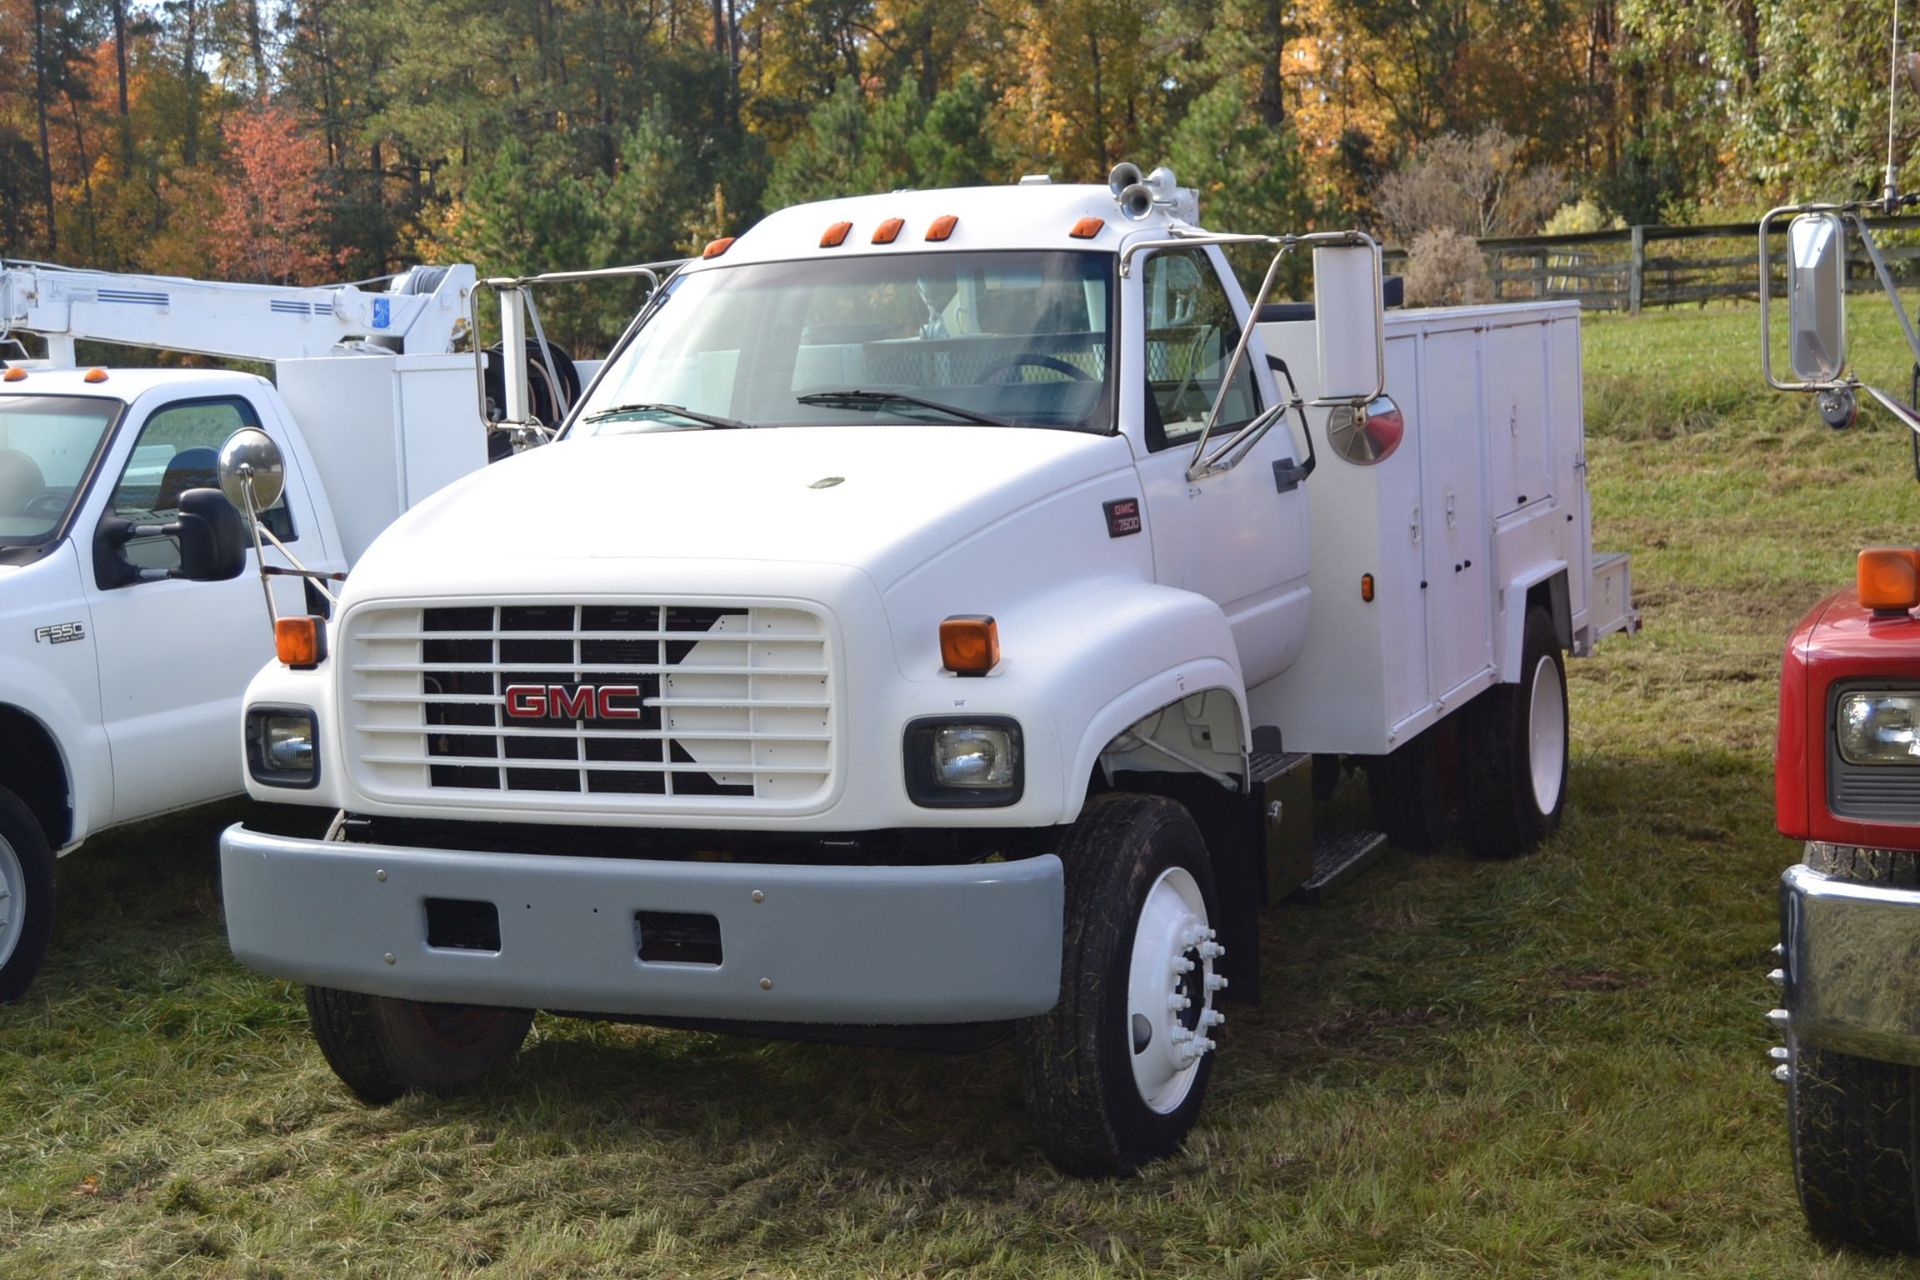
(678, 411)
(854, 398)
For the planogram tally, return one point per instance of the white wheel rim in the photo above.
(13, 900)
(1547, 734)
(1173, 959)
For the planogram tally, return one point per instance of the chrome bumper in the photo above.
(841, 944)
(1852, 965)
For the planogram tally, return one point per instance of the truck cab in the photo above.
(912, 639)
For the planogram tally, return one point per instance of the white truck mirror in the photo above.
(1817, 296)
(1349, 322)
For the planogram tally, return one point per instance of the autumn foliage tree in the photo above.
(268, 220)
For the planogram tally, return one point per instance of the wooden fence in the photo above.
(1659, 266)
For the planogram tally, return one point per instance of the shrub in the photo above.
(1445, 268)
(1475, 186)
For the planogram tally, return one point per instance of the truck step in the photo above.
(1338, 856)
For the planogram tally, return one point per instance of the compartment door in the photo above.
(1454, 514)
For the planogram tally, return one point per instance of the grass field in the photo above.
(1553, 1067)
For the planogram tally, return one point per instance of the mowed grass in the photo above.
(1550, 1067)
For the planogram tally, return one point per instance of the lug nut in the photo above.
(1783, 1074)
(1177, 1002)
(1779, 1019)
(1779, 1053)
(1780, 950)
(1778, 977)
(1216, 983)
(1182, 965)
(1213, 1018)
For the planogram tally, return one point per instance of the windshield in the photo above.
(46, 444)
(1006, 339)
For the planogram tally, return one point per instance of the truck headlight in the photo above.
(283, 748)
(1879, 728)
(964, 762)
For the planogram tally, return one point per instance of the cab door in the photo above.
(1237, 537)
(175, 656)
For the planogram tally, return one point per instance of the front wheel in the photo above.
(382, 1048)
(26, 896)
(1856, 1149)
(1116, 1073)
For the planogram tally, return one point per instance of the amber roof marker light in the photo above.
(888, 231)
(835, 235)
(717, 247)
(942, 226)
(1087, 228)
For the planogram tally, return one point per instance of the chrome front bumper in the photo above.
(1852, 965)
(840, 944)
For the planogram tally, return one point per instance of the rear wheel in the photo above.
(1116, 1073)
(382, 1048)
(1515, 753)
(26, 896)
(1412, 791)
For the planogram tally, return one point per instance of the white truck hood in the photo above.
(884, 499)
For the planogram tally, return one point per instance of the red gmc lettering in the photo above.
(573, 702)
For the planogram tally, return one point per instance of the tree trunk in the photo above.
(190, 80)
(1099, 104)
(40, 106)
(1272, 105)
(256, 43)
(120, 67)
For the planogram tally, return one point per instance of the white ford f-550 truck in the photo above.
(923, 632)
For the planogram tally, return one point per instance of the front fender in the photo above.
(1109, 653)
(86, 759)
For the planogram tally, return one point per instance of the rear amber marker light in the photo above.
(942, 227)
(836, 235)
(1087, 228)
(970, 644)
(888, 231)
(16, 375)
(95, 375)
(1366, 587)
(717, 247)
(299, 641)
(1889, 579)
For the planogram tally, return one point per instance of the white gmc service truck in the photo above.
(121, 676)
(924, 631)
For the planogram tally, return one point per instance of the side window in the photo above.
(1191, 334)
(179, 449)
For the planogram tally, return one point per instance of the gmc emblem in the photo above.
(573, 702)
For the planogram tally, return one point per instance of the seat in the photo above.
(21, 481)
(194, 468)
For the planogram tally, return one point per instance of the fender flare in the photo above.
(30, 702)
(1513, 620)
(1155, 693)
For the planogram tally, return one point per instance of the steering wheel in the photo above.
(47, 506)
(1074, 372)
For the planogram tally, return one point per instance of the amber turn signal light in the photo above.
(970, 644)
(1889, 579)
(300, 641)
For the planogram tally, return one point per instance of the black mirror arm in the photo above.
(1289, 475)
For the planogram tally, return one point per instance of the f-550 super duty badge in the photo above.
(59, 633)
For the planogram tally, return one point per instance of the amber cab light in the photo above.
(94, 375)
(1889, 579)
(1366, 587)
(888, 231)
(942, 227)
(15, 375)
(1087, 228)
(717, 247)
(970, 644)
(836, 235)
(300, 641)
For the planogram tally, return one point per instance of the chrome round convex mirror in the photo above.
(250, 457)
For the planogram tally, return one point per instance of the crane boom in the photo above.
(424, 313)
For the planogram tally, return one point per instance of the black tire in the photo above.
(382, 1048)
(26, 896)
(1506, 815)
(1856, 1149)
(1412, 799)
(1089, 1115)
(1855, 1122)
